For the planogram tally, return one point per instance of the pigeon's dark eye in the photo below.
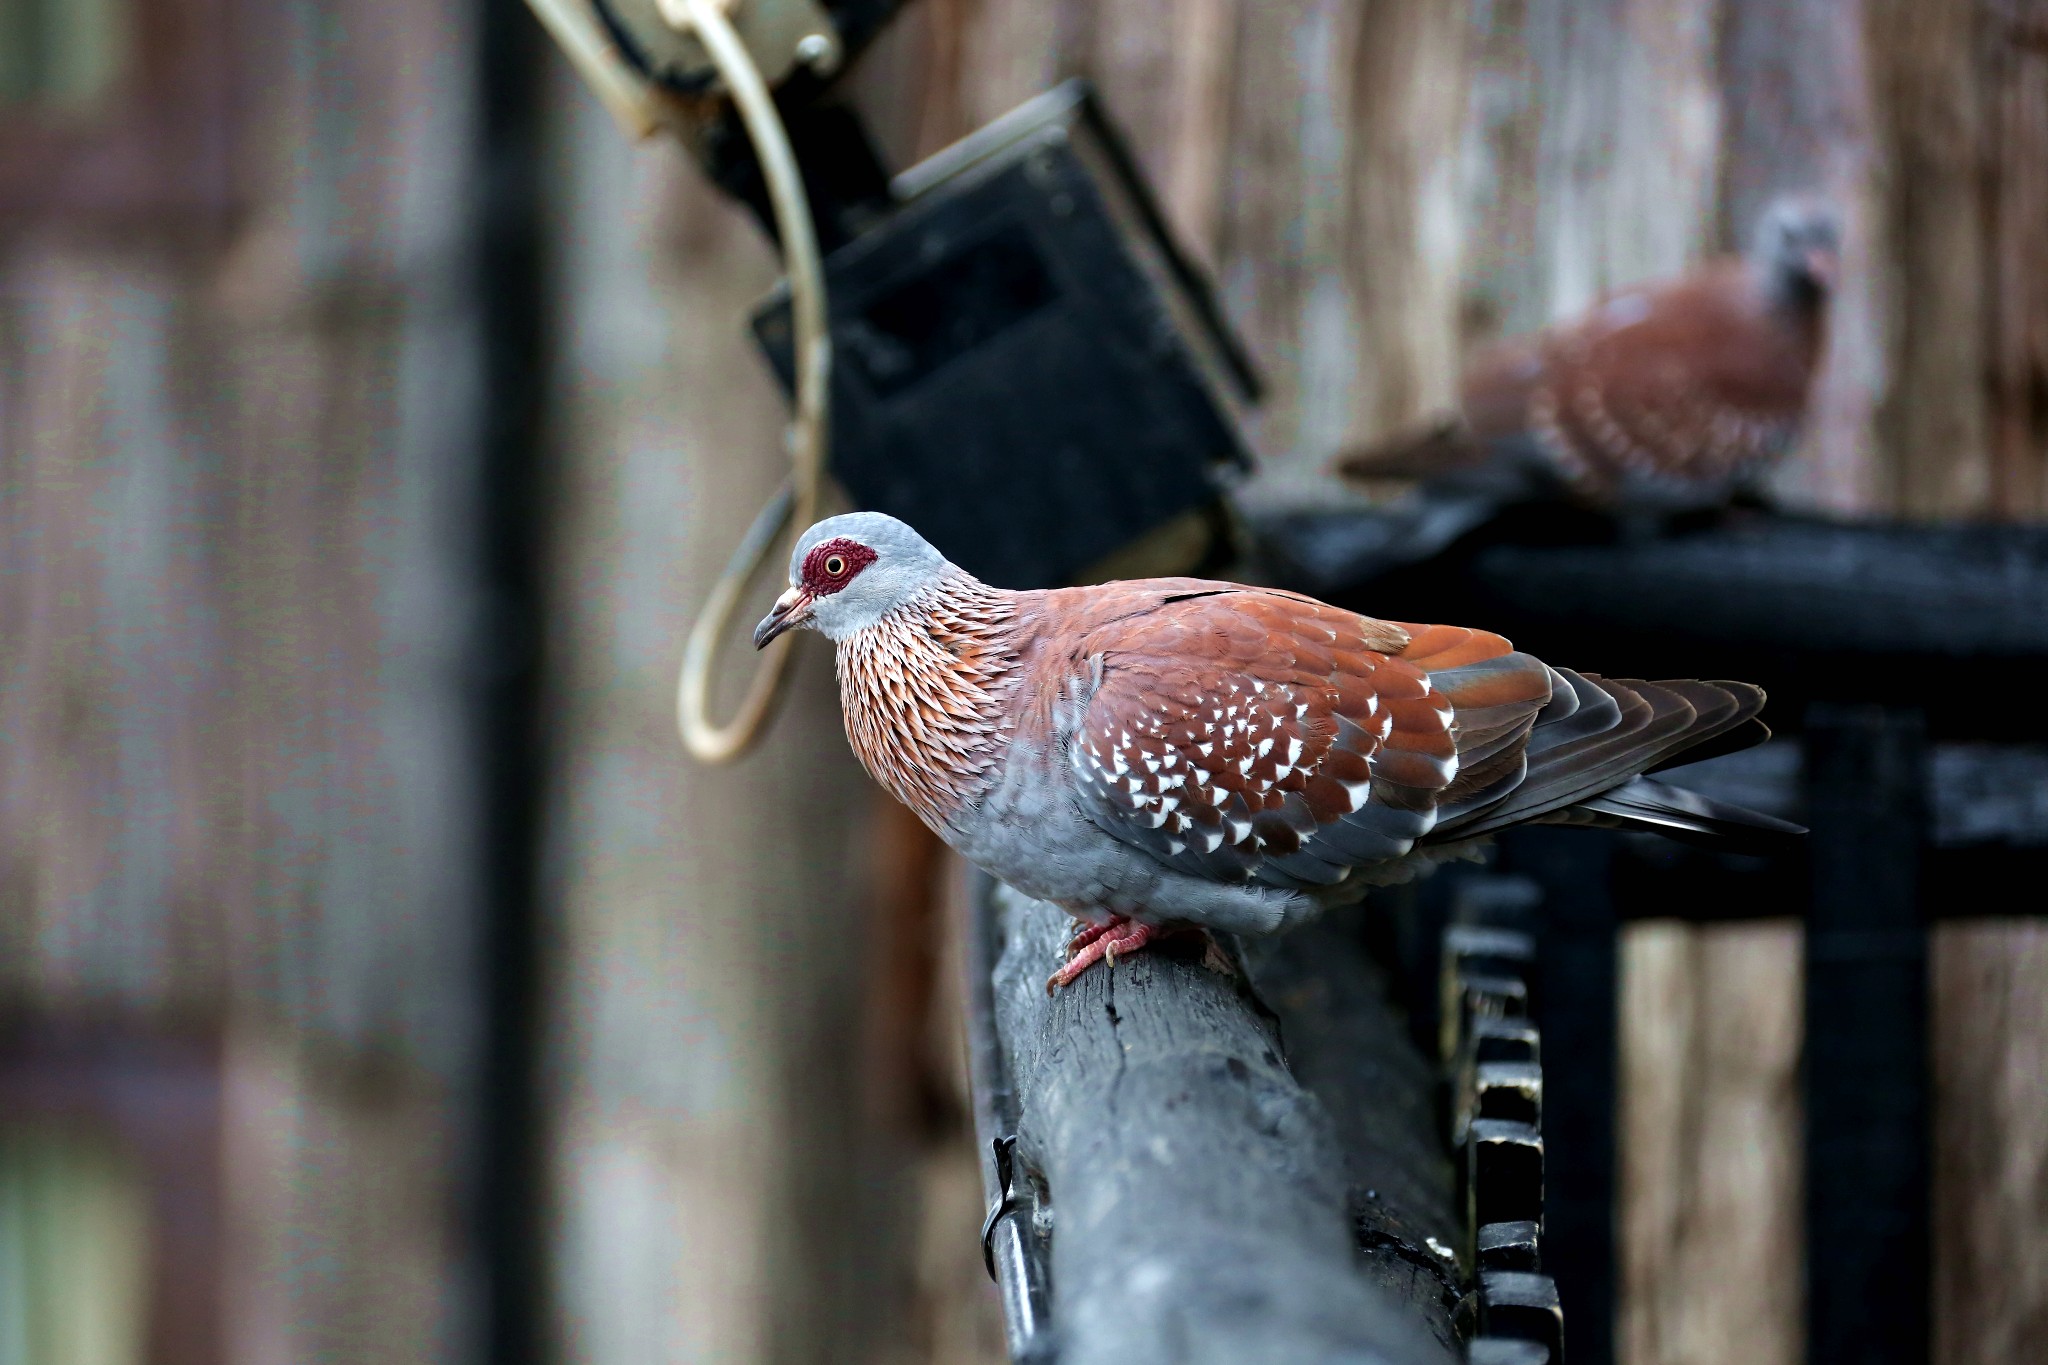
(835, 565)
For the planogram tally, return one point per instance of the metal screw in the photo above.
(819, 52)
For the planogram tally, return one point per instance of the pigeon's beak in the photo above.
(792, 609)
(1823, 267)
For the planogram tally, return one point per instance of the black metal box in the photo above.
(1025, 367)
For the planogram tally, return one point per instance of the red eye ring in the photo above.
(831, 566)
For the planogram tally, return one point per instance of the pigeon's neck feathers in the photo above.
(924, 692)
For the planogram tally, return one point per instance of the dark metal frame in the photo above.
(1875, 642)
(506, 1202)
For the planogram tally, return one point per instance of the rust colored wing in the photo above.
(1247, 735)
(1254, 736)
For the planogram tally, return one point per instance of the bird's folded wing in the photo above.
(1249, 735)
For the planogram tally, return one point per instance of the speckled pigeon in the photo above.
(1175, 752)
(1667, 397)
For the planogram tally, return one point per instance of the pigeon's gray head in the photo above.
(1799, 247)
(849, 572)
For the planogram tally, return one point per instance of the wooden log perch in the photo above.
(1196, 1192)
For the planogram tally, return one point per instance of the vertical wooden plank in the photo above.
(238, 688)
(1932, 437)
(1286, 229)
(1199, 98)
(715, 1194)
(1403, 244)
(1611, 112)
(1502, 126)
(1164, 70)
(2015, 167)
(1014, 49)
(892, 84)
(102, 682)
(1658, 1013)
(1710, 1116)
(1793, 113)
(1797, 118)
(337, 1217)
(1991, 1123)
(1990, 1052)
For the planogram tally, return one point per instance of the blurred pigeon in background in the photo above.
(1664, 398)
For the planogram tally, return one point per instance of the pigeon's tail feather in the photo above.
(1745, 735)
(1645, 804)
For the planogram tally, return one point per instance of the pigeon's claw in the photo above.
(1100, 942)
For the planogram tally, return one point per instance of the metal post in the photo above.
(1867, 1098)
(506, 1206)
(1575, 1007)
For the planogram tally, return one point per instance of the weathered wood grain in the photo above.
(1797, 119)
(1197, 1192)
(1349, 1046)
(1164, 71)
(234, 767)
(1403, 240)
(1710, 1157)
(1933, 437)
(1990, 1055)
(1594, 139)
(1285, 249)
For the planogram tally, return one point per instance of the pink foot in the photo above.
(1100, 942)
(1086, 933)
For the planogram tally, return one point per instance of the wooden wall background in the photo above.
(237, 638)
(1376, 184)
(238, 633)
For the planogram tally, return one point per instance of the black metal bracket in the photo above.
(1492, 1054)
(1868, 1092)
(1003, 1149)
(1027, 368)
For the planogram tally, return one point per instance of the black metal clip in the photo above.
(1006, 1202)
